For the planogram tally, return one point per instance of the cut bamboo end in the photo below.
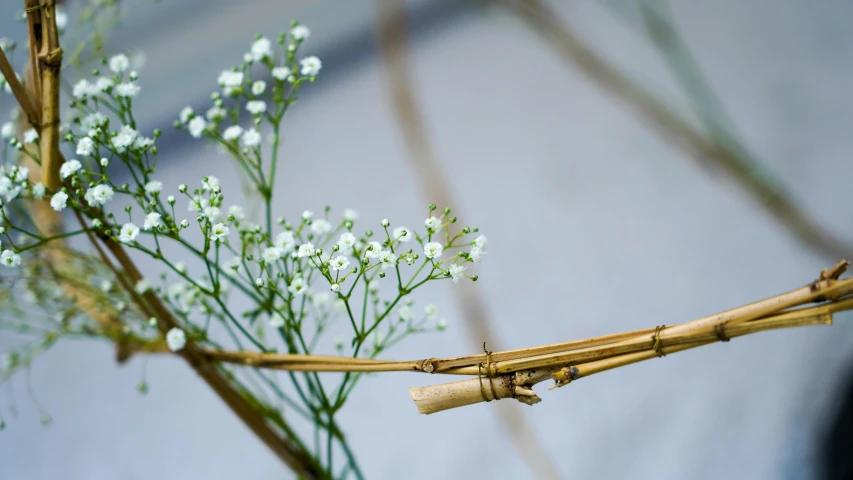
(438, 398)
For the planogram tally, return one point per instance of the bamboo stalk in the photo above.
(50, 59)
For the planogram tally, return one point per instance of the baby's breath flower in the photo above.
(215, 113)
(306, 250)
(230, 79)
(310, 66)
(237, 212)
(335, 288)
(262, 48)
(346, 241)
(31, 136)
(271, 254)
(405, 313)
(153, 187)
(128, 233)
(433, 250)
(185, 223)
(152, 220)
(92, 120)
(402, 234)
(58, 201)
(81, 89)
(284, 241)
(431, 311)
(481, 241)
(10, 259)
(232, 133)
(69, 168)
(455, 272)
(300, 32)
(259, 282)
(387, 259)
(119, 63)
(181, 267)
(8, 130)
(441, 324)
(210, 184)
(124, 138)
(176, 339)
(38, 191)
(281, 73)
(259, 87)
(321, 227)
(276, 322)
(372, 250)
(106, 286)
(105, 162)
(307, 214)
(339, 263)
(196, 127)
(256, 107)
(100, 195)
(127, 89)
(186, 113)
(297, 287)
(350, 214)
(251, 138)
(142, 286)
(433, 224)
(103, 84)
(61, 18)
(219, 231)
(475, 254)
(85, 146)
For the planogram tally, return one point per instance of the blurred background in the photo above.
(603, 214)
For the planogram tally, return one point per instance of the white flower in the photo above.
(455, 272)
(153, 186)
(402, 234)
(210, 184)
(181, 267)
(385, 222)
(176, 339)
(480, 241)
(152, 220)
(405, 313)
(232, 133)
(475, 254)
(142, 286)
(339, 263)
(237, 212)
(124, 138)
(335, 288)
(215, 113)
(196, 126)
(69, 168)
(306, 250)
(81, 88)
(320, 299)
(256, 107)
(321, 227)
(100, 194)
(346, 241)
(310, 66)
(262, 48)
(276, 322)
(58, 201)
(185, 223)
(433, 223)
(85, 146)
(300, 32)
(103, 83)
(128, 233)
(119, 63)
(211, 213)
(431, 311)
(251, 138)
(297, 286)
(186, 113)
(10, 259)
(61, 18)
(219, 231)
(441, 324)
(307, 214)
(372, 250)
(127, 89)
(259, 87)
(30, 135)
(8, 130)
(92, 120)
(433, 250)
(259, 282)
(350, 214)
(106, 286)
(281, 73)
(387, 259)
(284, 241)
(271, 254)
(38, 191)
(230, 79)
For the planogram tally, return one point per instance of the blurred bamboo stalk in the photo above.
(391, 21)
(721, 148)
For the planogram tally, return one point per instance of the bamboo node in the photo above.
(657, 346)
(720, 331)
(835, 272)
(428, 365)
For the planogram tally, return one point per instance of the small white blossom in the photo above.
(372, 250)
(100, 194)
(153, 187)
(119, 63)
(433, 250)
(176, 339)
(38, 191)
(350, 214)
(271, 254)
(441, 324)
(103, 84)
(69, 168)
(387, 259)
(8, 130)
(405, 313)
(475, 254)
(152, 220)
(93, 120)
(346, 241)
(237, 212)
(306, 250)
(124, 138)
(455, 272)
(210, 184)
(232, 133)
(431, 311)
(339, 263)
(196, 127)
(81, 88)
(307, 214)
(142, 286)
(31, 136)
(230, 79)
(433, 223)
(480, 241)
(297, 287)
(281, 73)
(262, 48)
(61, 18)
(335, 288)
(215, 113)
(259, 282)
(128, 233)
(321, 227)
(185, 223)
(127, 89)
(85, 146)
(10, 259)
(256, 107)
(106, 286)
(251, 138)
(300, 32)
(185, 114)
(276, 322)
(310, 66)
(259, 87)
(285, 241)
(219, 231)
(58, 201)
(402, 234)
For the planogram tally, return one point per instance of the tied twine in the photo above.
(657, 346)
(488, 366)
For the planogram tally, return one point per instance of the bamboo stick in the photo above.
(50, 59)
